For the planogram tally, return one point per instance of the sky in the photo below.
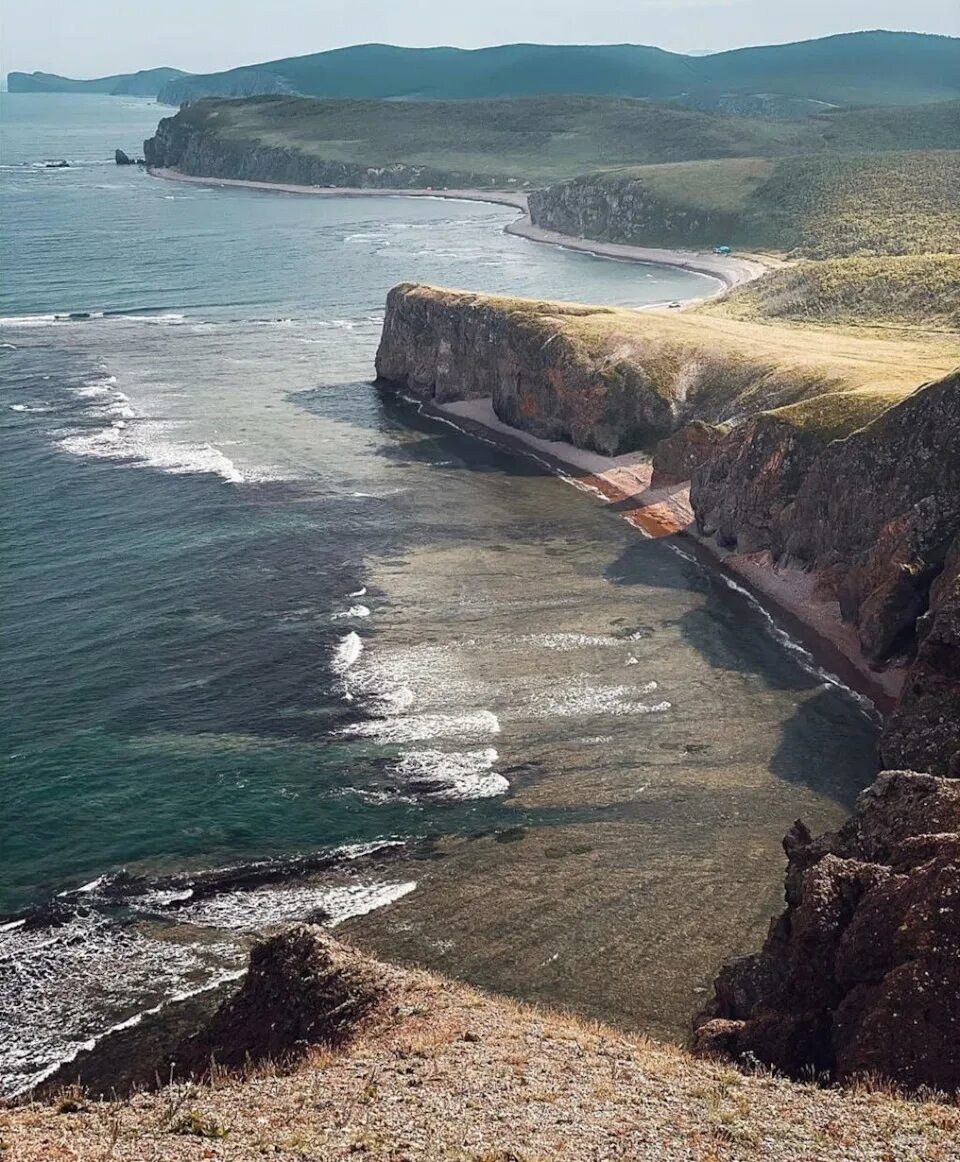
(86, 38)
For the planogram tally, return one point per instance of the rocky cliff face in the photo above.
(861, 972)
(190, 142)
(627, 210)
(875, 515)
(609, 380)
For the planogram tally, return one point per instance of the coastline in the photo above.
(729, 271)
(663, 511)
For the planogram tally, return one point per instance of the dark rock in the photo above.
(861, 973)
(302, 989)
(877, 517)
(924, 730)
(678, 456)
(122, 158)
(56, 164)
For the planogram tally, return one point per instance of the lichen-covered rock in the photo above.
(302, 989)
(861, 973)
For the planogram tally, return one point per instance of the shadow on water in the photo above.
(730, 633)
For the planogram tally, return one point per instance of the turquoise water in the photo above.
(252, 608)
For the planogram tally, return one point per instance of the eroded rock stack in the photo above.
(860, 974)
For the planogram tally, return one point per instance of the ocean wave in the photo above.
(347, 652)
(419, 727)
(457, 775)
(265, 907)
(62, 988)
(354, 611)
(148, 444)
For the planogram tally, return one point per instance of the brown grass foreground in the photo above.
(441, 1071)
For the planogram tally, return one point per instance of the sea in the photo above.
(276, 646)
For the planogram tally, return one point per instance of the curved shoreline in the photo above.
(730, 271)
(655, 511)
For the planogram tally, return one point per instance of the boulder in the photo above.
(303, 989)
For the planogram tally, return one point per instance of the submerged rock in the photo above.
(861, 972)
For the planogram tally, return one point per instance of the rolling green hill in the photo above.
(146, 83)
(866, 68)
(487, 143)
(821, 206)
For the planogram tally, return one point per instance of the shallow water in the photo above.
(253, 607)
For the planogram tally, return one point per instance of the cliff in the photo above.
(873, 512)
(601, 378)
(827, 205)
(860, 975)
(196, 141)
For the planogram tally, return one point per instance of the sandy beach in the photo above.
(728, 270)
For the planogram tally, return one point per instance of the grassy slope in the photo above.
(440, 1071)
(859, 68)
(537, 140)
(546, 139)
(830, 205)
(916, 290)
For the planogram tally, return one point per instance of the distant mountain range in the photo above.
(146, 83)
(860, 68)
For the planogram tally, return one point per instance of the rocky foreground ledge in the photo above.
(330, 1054)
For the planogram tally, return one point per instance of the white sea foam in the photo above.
(564, 642)
(264, 907)
(60, 988)
(353, 611)
(452, 775)
(362, 592)
(581, 698)
(417, 727)
(347, 652)
(148, 443)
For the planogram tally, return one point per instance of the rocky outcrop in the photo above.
(302, 989)
(874, 515)
(609, 380)
(923, 730)
(615, 208)
(191, 143)
(861, 973)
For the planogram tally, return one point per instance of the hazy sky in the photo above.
(96, 37)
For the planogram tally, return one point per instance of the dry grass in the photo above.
(445, 1072)
(909, 291)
